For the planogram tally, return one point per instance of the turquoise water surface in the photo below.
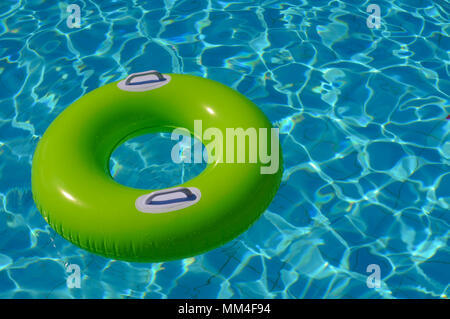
(364, 132)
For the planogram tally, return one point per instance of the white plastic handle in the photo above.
(167, 200)
(147, 81)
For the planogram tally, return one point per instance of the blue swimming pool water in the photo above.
(365, 140)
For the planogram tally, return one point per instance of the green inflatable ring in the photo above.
(74, 191)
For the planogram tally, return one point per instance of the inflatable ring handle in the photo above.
(190, 196)
(147, 203)
(135, 75)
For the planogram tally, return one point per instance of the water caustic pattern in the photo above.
(364, 130)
